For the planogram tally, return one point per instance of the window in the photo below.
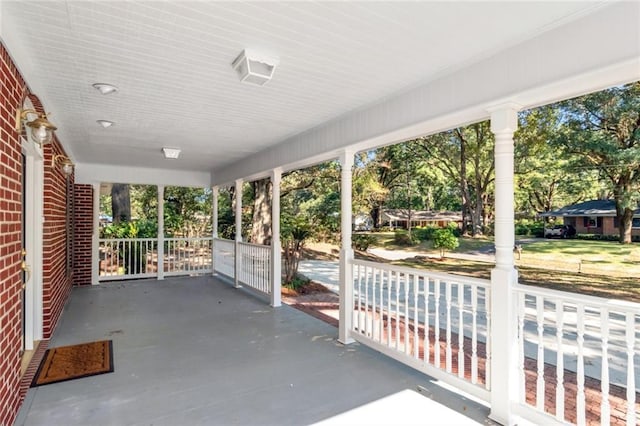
(592, 222)
(636, 222)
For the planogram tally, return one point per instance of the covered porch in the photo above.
(196, 350)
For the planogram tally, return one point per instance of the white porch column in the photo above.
(238, 262)
(214, 226)
(160, 232)
(504, 352)
(346, 252)
(214, 211)
(95, 237)
(276, 247)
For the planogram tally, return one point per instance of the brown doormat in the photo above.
(73, 362)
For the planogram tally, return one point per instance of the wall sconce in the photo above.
(66, 165)
(41, 127)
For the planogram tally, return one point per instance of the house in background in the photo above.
(398, 218)
(594, 217)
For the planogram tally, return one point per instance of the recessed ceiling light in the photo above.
(105, 88)
(105, 123)
(172, 153)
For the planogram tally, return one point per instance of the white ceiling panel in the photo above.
(171, 61)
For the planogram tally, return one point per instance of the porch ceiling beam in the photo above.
(96, 173)
(564, 62)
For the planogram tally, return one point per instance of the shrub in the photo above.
(530, 227)
(424, 234)
(362, 241)
(297, 282)
(401, 237)
(444, 239)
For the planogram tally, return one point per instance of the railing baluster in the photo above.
(358, 322)
(397, 310)
(405, 338)
(416, 317)
(448, 330)
(580, 396)
(605, 409)
(389, 285)
(377, 316)
(460, 330)
(540, 357)
(630, 336)
(367, 329)
(474, 334)
(427, 345)
(559, 360)
(436, 325)
(381, 329)
(521, 304)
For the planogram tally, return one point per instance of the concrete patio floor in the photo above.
(198, 351)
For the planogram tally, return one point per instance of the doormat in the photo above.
(74, 362)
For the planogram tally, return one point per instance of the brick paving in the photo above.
(325, 306)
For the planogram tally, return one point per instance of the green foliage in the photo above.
(295, 230)
(528, 227)
(424, 233)
(296, 282)
(403, 238)
(445, 240)
(141, 228)
(603, 128)
(362, 241)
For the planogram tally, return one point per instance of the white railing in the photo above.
(576, 352)
(224, 256)
(255, 265)
(437, 323)
(186, 256)
(126, 258)
(123, 258)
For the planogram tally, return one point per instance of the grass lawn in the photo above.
(598, 268)
(386, 240)
(625, 288)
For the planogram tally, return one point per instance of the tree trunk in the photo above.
(625, 220)
(624, 208)
(261, 223)
(375, 217)
(120, 202)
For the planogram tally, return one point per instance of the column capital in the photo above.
(276, 174)
(504, 117)
(347, 158)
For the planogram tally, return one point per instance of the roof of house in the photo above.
(588, 208)
(425, 215)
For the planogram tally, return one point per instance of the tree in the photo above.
(444, 239)
(120, 202)
(465, 155)
(603, 128)
(294, 233)
(261, 211)
(545, 175)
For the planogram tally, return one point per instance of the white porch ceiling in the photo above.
(171, 61)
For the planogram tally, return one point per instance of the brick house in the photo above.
(594, 217)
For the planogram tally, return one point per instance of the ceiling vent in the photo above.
(254, 67)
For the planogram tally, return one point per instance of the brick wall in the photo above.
(56, 274)
(82, 233)
(57, 285)
(11, 94)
